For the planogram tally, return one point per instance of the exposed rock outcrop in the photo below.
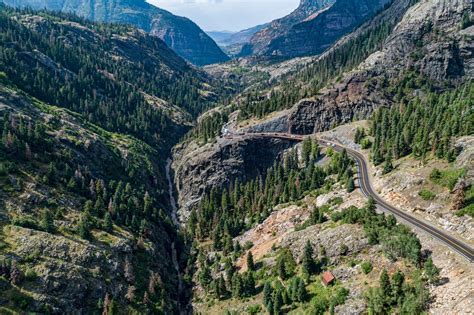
(312, 28)
(427, 39)
(199, 168)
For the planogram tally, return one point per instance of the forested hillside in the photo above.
(88, 114)
(179, 33)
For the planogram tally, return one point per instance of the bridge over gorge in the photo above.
(366, 187)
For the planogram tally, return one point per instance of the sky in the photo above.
(228, 15)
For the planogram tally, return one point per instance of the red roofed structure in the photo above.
(328, 278)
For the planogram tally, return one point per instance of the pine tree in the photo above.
(281, 269)
(308, 261)
(47, 222)
(431, 271)
(314, 151)
(301, 291)
(222, 287)
(108, 225)
(267, 293)
(249, 283)
(385, 286)
(84, 229)
(388, 167)
(306, 150)
(277, 302)
(250, 263)
(237, 286)
(205, 277)
(398, 280)
(350, 185)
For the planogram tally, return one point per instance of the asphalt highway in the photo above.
(366, 187)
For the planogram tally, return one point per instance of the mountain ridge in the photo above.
(179, 33)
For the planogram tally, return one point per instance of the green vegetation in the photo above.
(117, 104)
(447, 178)
(308, 81)
(422, 127)
(468, 203)
(427, 194)
(209, 127)
(397, 241)
(396, 295)
(366, 267)
(223, 214)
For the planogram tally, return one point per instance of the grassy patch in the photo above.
(469, 210)
(426, 194)
(468, 203)
(447, 178)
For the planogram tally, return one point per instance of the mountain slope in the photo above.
(312, 27)
(88, 114)
(179, 33)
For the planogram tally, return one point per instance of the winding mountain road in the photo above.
(367, 189)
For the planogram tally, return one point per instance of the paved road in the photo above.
(366, 187)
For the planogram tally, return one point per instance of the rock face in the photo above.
(428, 39)
(312, 27)
(179, 33)
(200, 168)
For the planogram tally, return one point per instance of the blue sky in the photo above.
(232, 15)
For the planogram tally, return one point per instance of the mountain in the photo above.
(179, 33)
(312, 27)
(398, 90)
(88, 115)
(220, 37)
(232, 42)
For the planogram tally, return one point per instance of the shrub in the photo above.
(24, 221)
(366, 267)
(366, 144)
(30, 275)
(254, 309)
(427, 194)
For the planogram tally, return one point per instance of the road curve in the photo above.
(366, 187)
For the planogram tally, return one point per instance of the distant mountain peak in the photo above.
(179, 33)
(311, 28)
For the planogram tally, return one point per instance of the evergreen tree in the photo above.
(301, 291)
(306, 150)
(308, 261)
(108, 225)
(431, 271)
(250, 263)
(267, 293)
(385, 286)
(350, 185)
(47, 222)
(277, 302)
(84, 228)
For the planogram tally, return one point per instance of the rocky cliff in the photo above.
(198, 168)
(312, 27)
(428, 39)
(179, 33)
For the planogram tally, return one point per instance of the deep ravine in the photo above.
(174, 217)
